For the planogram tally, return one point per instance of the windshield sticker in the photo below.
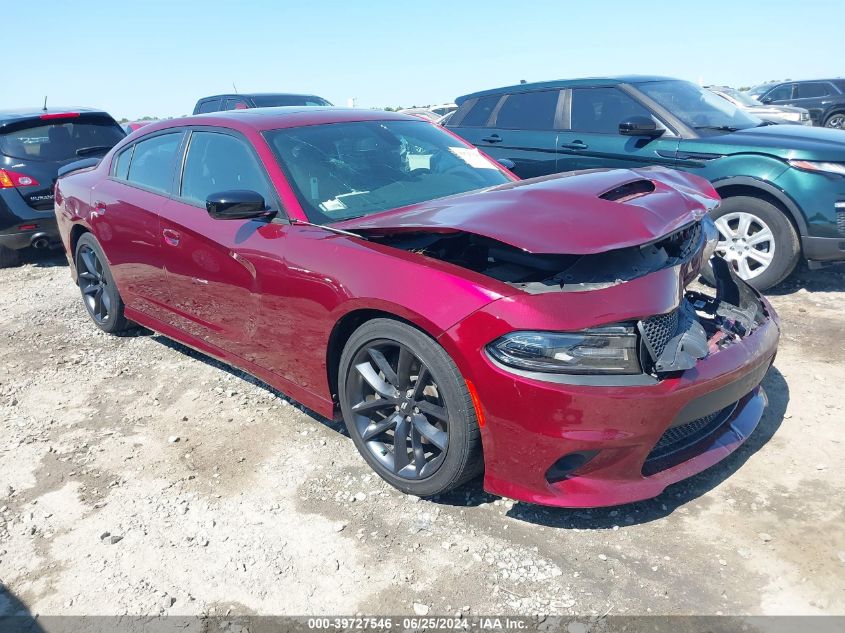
(332, 205)
(472, 157)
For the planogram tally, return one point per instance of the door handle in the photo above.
(575, 145)
(493, 138)
(171, 237)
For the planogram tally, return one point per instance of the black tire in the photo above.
(786, 245)
(104, 303)
(461, 459)
(8, 257)
(835, 120)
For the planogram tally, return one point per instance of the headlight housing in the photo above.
(818, 166)
(601, 350)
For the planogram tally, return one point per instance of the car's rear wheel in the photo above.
(99, 293)
(408, 408)
(836, 121)
(8, 257)
(757, 240)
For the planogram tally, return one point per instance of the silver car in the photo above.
(773, 113)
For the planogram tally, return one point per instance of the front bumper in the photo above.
(532, 424)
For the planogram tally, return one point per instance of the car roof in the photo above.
(17, 114)
(249, 95)
(565, 83)
(261, 119)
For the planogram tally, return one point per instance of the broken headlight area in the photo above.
(540, 273)
(675, 341)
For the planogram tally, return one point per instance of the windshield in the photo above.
(699, 108)
(346, 170)
(272, 101)
(61, 140)
(740, 97)
(756, 91)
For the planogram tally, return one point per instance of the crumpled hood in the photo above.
(562, 214)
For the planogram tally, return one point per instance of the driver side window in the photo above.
(220, 162)
(601, 110)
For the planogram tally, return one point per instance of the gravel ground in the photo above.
(139, 477)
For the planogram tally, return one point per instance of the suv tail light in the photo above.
(9, 179)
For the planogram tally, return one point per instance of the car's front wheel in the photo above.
(836, 121)
(757, 240)
(408, 408)
(99, 293)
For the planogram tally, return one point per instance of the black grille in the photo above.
(658, 330)
(678, 438)
(840, 221)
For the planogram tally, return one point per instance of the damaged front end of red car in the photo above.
(603, 378)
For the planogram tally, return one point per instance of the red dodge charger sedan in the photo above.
(376, 267)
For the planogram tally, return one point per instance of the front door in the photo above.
(593, 139)
(211, 264)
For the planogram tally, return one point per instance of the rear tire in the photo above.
(408, 409)
(8, 257)
(757, 239)
(99, 293)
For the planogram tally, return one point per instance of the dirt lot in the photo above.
(139, 477)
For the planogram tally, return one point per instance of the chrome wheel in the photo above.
(837, 121)
(93, 284)
(398, 410)
(746, 242)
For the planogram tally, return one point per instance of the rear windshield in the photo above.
(272, 101)
(61, 139)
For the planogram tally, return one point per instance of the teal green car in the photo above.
(782, 186)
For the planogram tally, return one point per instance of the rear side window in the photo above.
(480, 112)
(601, 110)
(236, 104)
(528, 111)
(62, 140)
(810, 90)
(151, 164)
(840, 85)
(121, 164)
(212, 105)
(217, 163)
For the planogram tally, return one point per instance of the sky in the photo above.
(156, 58)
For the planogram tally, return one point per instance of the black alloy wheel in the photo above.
(99, 293)
(407, 408)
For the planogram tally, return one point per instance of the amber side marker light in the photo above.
(476, 402)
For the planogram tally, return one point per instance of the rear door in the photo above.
(523, 129)
(209, 263)
(815, 96)
(592, 139)
(127, 205)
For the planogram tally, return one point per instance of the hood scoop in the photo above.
(629, 191)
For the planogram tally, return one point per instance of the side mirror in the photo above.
(237, 204)
(640, 126)
(507, 163)
(766, 100)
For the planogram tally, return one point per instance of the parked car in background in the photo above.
(783, 186)
(34, 144)
(770, 112)
(137, 125)
(421, 112)
(824, 98)
(217, 103)
(436, 113)
(311, 249)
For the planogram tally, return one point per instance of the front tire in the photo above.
(408, 409)
(757, 240)
(99, 293)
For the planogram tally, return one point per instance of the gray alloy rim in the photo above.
(746, 242)
(398, 410)
(93, 284)
(836, 121)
